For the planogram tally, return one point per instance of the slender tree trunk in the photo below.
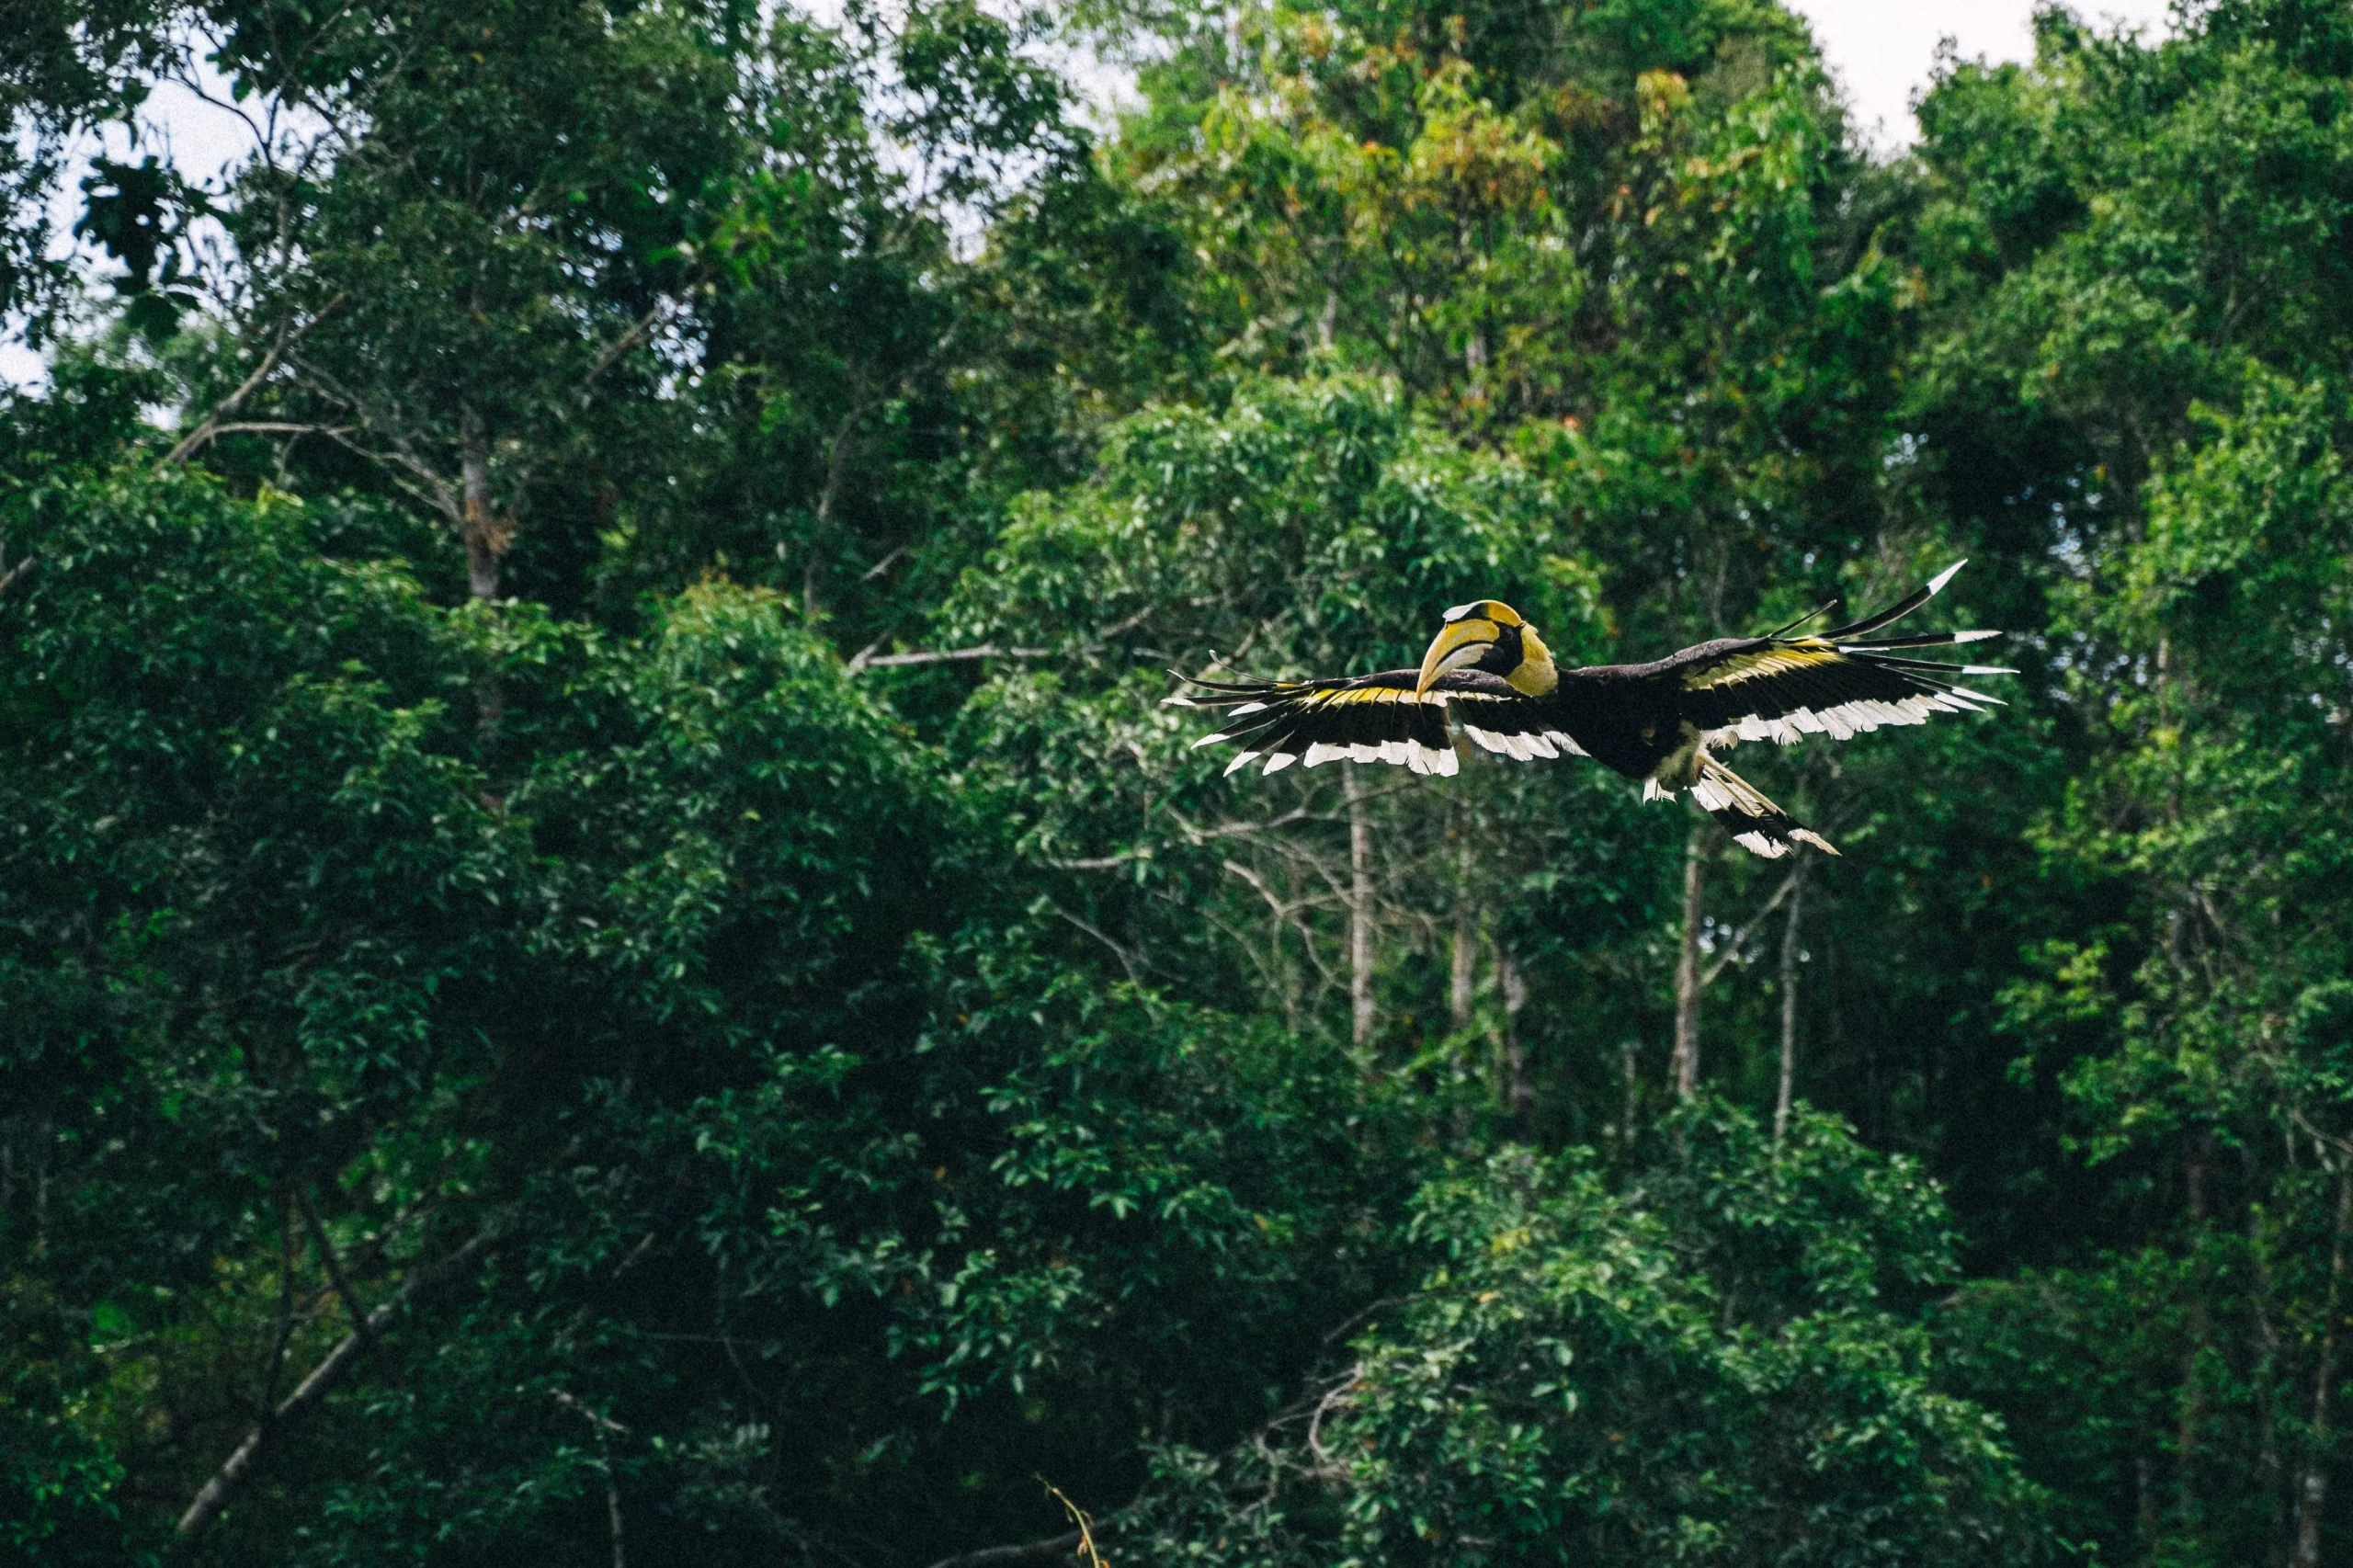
(837, 461)
(1360, 1014)
(1519, 1073)
(2193, 1388)
(2311, 1499)
(1789, 1012)
(2264, 1375)
(1466, 951)
(485, 537)
(1687, 973)
(45, 1133)
(1630, 1067)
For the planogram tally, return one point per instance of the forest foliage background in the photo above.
(606, 955)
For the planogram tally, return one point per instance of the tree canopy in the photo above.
(607, 952)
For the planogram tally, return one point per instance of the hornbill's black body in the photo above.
(1489, 676)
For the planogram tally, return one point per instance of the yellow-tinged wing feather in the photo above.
(1774, 659)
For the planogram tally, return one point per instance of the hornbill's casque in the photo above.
(1491, 675)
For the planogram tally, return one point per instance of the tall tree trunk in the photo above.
(485, 537)
(2263, 1376)
(837, 461)
(1686, 972)
(1466, 951)
(2193, 1387)
(1629, 1068)
(1519, 1073)
(1788, 1008)
(1360, 1014)
(2311, 1499)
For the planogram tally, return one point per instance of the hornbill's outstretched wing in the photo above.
(1839, 683)
(1377, 718)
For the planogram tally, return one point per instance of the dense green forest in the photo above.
(608, 955)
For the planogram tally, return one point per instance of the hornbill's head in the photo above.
(1488, 634)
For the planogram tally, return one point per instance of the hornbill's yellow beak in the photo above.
(1458, 643)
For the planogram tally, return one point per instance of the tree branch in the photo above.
(1739, 939)
(289, 335)
(1127, 959)
(15, 580)
(279, 427)
(636, 333)
(1101, 862)
(1030, 1551)
(336, 1275)
(865, 661)
(234, 1470)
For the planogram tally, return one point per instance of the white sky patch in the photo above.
(200, 139)
(1883, 52)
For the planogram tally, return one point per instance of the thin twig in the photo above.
(1126, 961)
(1028, 1551)
(289, 335)
(605, 1426)
(334, 1265)
(1079, 1518)
(1739, 939)
(636, 333)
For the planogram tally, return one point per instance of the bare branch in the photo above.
(1739, 939)
(333, 1264)
(279, 428)
(215, 1494)
(636, 333)
(944, 656)
(1102, 862)
(603, 1422)
(605, 1426)
(18, 577)
(1127, 959)
(1029, 1552)
(1197, 835)
(289, 335)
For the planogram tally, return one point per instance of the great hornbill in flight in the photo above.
(1491, 675)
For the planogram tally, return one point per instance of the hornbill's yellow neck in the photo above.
(1489, 635)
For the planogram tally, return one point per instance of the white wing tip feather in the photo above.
(1937, 583)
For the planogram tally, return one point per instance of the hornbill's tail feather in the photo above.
(1910, 602)
(1756, 824)
(1814, 614)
